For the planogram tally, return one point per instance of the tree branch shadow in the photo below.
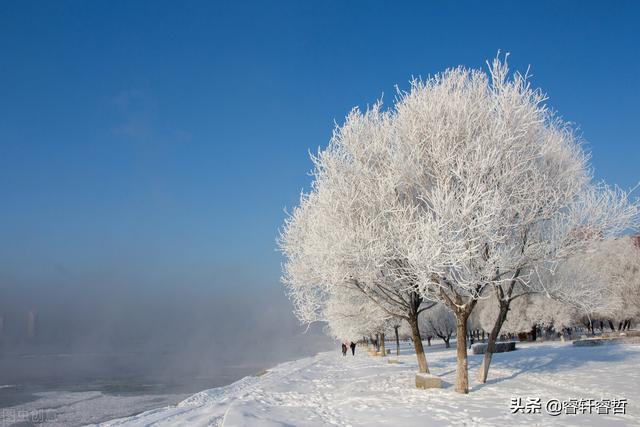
(549, 359)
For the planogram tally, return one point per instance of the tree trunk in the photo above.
(462, 374)
(417, 343)
(446, 342)
(397, 341)
(383, 351)
(613, 328)
(491, 344)
(429, 341)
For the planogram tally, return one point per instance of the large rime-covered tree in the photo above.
(501, 189)
(350, 231)
(468, 185)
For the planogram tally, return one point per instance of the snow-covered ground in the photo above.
(331, 390)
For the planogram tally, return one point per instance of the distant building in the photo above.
(32, 319)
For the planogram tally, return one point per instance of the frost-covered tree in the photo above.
(439, 322)
(501, 188)
(618, 265)
(350, 231)
(608, 280)
(585, 215)
(469, 184)
(350, 316)
(527, 312)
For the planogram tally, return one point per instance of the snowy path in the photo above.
(329, 390)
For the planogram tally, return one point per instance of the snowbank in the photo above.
(332, 390)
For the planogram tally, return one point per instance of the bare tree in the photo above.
(439, 321)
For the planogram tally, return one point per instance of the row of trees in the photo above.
(468, 187)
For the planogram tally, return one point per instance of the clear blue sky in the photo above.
(156, 143)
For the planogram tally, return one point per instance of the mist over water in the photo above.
(163, 341)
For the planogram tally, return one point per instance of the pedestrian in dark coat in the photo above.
(344, 349)
(353, 348)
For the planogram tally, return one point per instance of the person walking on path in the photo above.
(344, 349)
(353, 348)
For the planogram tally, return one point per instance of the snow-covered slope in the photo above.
(332, 390)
